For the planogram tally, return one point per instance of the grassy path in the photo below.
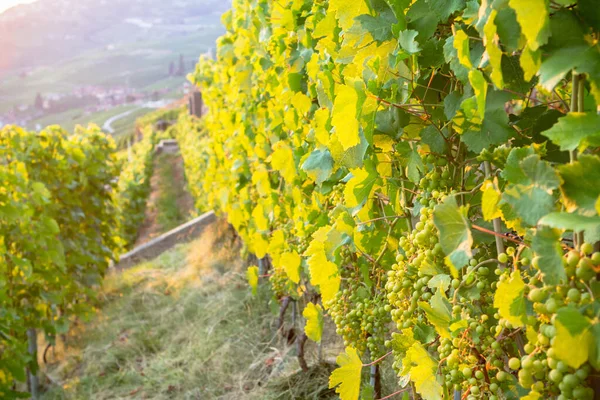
(184, 326)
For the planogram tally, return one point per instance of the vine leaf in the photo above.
(318, 165)
(494, 129)
(510, 300)
(314, 321)
(575, 223)
(344, 116)
(323, 273)
(259, 219)
(573, 337)
(546, 244)
(530, 62)
(408, 43)
(461, 44)
(347, 11)
(490, 200)
(423, 369)
(531, 194)
(581, 184)
(380, 27)
(259, 245)
(576, 130)
(411, 160)
(454, 231)
(291, 265)
(252, 276)
(282, 160)
(438, 313)
(358, 188)
(479, 85)
(347, 376)
(533, 16)
(493, 51)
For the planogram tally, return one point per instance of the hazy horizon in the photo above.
(6, 4)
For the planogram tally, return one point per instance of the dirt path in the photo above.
(169, 199)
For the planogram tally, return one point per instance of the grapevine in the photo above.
(431, 163)
(63, 217)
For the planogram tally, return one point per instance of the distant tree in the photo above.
(172, 69)
(39, 102)
(181, 69)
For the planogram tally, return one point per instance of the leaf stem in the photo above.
(505, 237)
(389, 396)
(378, 360)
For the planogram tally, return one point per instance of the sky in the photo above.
(5, 4)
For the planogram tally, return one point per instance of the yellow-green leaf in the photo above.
(573, 337)
(323, 273)
(534, 18)
(346, 11)
(282, 160)
(480, 87)
(493, 50)
(530, 62)
(489, 201)
(461, 44)
(347, 376)
(291, 265)
(344, 117)
(423, 372)
(252, 276)
(258, 216)
(314, 321)
(510, 299)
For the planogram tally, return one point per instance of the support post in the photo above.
(32, 379)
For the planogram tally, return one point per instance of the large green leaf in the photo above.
(581, 184)
(411, 160)
(454, 232)
(546, 244)
(318, 165)
(494, 129)
(531, 196)
(380, 26)
(408, 43)
(575, 223)
(576, 131)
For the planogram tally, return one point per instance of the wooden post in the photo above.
(195, 104)
(32, 378)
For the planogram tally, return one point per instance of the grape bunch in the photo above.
(361, 315)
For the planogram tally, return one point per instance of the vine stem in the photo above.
(389, 396)
(577, 105)
(505, 237)
(381, 219)
(378, 360)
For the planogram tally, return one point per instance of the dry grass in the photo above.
(182, 327)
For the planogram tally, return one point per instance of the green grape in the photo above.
(503, 258)
(514, 363)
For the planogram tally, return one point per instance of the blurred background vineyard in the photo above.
(70, 62)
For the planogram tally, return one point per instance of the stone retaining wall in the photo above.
(159, 245)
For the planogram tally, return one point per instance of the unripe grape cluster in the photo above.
(361, 315)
